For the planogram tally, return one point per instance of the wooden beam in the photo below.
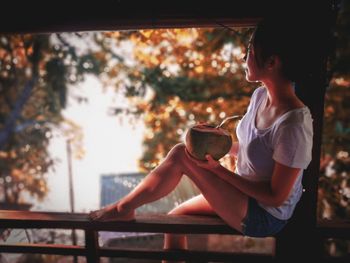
(156, 223)
(334, 229)
(196, 256)
(159, 223)
(53, 249)
(107, 15)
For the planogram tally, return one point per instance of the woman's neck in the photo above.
(279, 93)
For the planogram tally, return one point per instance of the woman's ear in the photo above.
(273, 63)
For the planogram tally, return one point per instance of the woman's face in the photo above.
(252, 70)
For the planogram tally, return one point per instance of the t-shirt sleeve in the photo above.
(293, 145)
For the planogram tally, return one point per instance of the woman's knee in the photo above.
(177, 211)
(177, 152)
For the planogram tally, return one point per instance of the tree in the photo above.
(183, 76)
(35, 73)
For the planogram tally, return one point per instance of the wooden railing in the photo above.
(146, 224)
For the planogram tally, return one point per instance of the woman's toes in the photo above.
(94, 215)
(111, 213)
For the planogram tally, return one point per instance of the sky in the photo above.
(111, 145)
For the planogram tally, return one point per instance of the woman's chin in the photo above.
(251, 79)
(248, 77)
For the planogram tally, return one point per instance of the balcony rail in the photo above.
(143, 223)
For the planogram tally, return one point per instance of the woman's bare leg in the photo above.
(158, 183)
(227, 201)
(197, 205)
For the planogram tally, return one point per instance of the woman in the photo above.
(274, 147)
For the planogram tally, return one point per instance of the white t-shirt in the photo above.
(288, 141)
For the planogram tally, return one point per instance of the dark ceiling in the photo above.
(59, 16)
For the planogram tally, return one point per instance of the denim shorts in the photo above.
(260, 223)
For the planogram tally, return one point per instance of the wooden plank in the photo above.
(177, 224)
(334, 229)
(53, 249)
(339, 259)
(28, 219)
(41, 216)
(144, 223)
(155, 223)
(196, 256)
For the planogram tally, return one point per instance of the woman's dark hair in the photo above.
(293, 40)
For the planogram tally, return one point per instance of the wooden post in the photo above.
(300, 239)
(91, 246)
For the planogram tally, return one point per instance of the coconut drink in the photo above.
(202, 139)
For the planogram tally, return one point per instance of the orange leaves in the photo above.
(196, 51)
(342, 82)
(100, 55)
(14, 51)
(193, 74)
(199, 69)
(112, 34)
(146, 33)
(17, 174)
(165, 46)
(182, 37)
(186, 37)
(329, 111)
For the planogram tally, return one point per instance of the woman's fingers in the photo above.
(209, 158)
(212, 161)
(93, 215)
(208, 164)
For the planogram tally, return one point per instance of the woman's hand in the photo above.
(209, 164)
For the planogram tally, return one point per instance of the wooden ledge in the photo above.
(156, 223)
(191, 255)
(150, 223)
(334, 228)
(138, 253)
(55, 249)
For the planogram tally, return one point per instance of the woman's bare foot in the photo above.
(113, 212)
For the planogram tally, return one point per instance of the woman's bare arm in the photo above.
(272, 192)
(234, 149)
